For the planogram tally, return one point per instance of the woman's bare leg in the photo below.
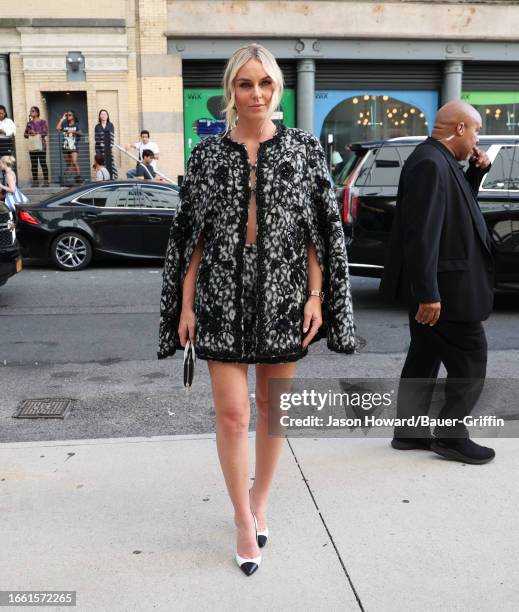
(68, 164)
(231, 400)
(268, 448)
(75, 164)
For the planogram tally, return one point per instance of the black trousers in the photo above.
(42, 157)
(462, 348)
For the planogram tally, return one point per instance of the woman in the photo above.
(104, 139)
(10, 190)
(255, 247)
(7, 132)
(36, 132)
(69, 126)
(100, 173)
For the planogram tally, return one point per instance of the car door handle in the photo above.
(90, 215)
(155, 219)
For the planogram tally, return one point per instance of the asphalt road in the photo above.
(91, 336)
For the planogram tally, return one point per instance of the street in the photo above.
(91, 336)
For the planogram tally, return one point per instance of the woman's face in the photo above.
(103, 115)
(2, 114)
(70, 117)
(254, 89)
(33, 113)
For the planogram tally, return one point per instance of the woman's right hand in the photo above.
(187, 326)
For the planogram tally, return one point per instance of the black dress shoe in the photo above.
(412, 443)
(462, 449)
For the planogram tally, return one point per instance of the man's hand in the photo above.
(428, 314)
(479, 158)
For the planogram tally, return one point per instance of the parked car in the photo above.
(111, 219)
(10, 260)
(367, 199)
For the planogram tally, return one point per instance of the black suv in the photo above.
(10, 261)
(367, 197)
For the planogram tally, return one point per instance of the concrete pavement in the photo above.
(145, 524)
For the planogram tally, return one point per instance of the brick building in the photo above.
(353, 69)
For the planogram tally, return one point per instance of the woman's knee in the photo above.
(234, 418)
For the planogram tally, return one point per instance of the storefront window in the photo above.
(499, 111)
(368, 117)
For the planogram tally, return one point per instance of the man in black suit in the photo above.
(440, 260)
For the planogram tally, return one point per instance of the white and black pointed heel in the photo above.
(261, 536)
(249, 566)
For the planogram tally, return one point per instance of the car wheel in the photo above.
(71, 251)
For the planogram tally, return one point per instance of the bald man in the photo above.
(440, 260)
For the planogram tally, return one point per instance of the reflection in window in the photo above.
(498, 177)
(158, 197)
(364, 118)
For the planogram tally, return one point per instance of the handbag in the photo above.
(35, 144)
(189, 363)
(11, 199)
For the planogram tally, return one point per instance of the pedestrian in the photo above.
(104, 133)
(68, 125)
(144, 143)
(13, 195)
(100, 172)
(36, 132)
(145, 169)
(7, 132)
(440, 259)
(255, 248)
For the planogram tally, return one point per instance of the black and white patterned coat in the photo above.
(295, 203)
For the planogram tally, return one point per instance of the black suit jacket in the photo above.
(440, 249)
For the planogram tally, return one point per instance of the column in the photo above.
(452, 80)
(5, 86)
(305, 94)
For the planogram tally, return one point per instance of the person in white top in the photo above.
(144, 143)
(100, 172)
(7, 132)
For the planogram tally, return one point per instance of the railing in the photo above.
(67, 160)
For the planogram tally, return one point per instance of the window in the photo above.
(385, 168)
(499, 175)
(153, 196)
(126, 197)
(98, 197)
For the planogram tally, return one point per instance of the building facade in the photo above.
(354, 70)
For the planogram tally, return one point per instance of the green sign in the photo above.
(477, 98)
(203, 114)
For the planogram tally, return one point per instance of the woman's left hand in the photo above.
(313, 319)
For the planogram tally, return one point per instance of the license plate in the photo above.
(18, 265)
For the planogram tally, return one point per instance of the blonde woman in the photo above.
(255, 271)
(10, 190)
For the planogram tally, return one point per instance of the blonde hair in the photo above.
(240, 57)
(8, 160)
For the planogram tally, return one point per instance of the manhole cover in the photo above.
(50, 408)
(360, 342)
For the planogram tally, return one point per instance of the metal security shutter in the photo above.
(490, 76)
(338, 74)
(202, 73)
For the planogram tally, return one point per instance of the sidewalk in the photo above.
(137, 524)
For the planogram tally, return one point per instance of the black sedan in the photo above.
(105, 220)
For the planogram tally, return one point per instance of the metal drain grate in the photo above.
(47, 408)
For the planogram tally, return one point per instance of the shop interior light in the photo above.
(396, 122)
(394, 111)
(355, 100)
(422, 115)
(413, 111)
(406, 115)
(487, 111)
(361, 114)
(426, 123)
(373, 97)
(385, 98)
(390, 115)
(366, 97)
(359, 121)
